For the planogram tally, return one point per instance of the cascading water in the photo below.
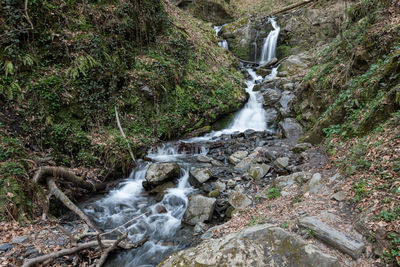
(130, 208)
(268, 51)
(223, 43)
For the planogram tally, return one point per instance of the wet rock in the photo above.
(214, 193)
(204, 159)
(198, 176)
(219, 185)
(231, 182)
(6, 246)
(209, 233)
(285, 100)
(19, 239)
(269, 246)
(161, 190)
(161, 209)
(217, 163)
(288, 86)
(236, 157)
(199, 228)
(301, 147)
(269, 155)
(339, 196)
(239, 200)
(200, 209)
(315, 183)
(333, 237)
(258, 171)
(290, 128)
(271, 96)
(271, 115)
(159, 173)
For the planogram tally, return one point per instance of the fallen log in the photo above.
(288, 8)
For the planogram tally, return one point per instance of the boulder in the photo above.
(236, 157)
(219, 185)
(217, 163)
(200, 209)
(315, 183)
(301, 147)
(239, 200)
(281, 163)
(198, 176)
(285, 102)
(297, 177)
(271, 96)
(290, 128)
(258, 171)
(258, 246)
(333, 237)
(159, 173)
(204, 159)
(244, 164)
(271, 115)
(339, 196)
(160, 190)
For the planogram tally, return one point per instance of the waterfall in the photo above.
(268, 51)
(224, 44)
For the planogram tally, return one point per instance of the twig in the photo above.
(124, 136)
(27, 15)
(116, 228)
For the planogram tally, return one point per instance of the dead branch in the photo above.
(107, 252)
(288, 8)
(116, 228)
(27, 15)
(66, 174)
(124, 136)
(68, 203)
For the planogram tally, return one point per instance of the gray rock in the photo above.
(288, 86)
(199, 228)
(333, 237)
(6, 246)
(204, 159)
(258, 246)
(219, 185)
(19, 239)
(269, 155)
(339, 196)
(297, 177)
(239, 200)
(198, 176)
(290, 128)
(334, 178)
(244, 164)
(271, 115)
(236, 157)
(231, 182)
(315, 183)
(258, 171)
(31, 252)
(301, 147)
(159, 173)
(281, 163)
(271, 96)
(217, 163)
(209, 233)
(200, 209)
(285, 101)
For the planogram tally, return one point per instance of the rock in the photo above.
(290, 128)
(6, 246)
(214, 193)
(297, 177)
(271, 96)
(19, 239)
(334, 178)
(219, 185)
(285, 102)
(159, 173)
(236, 157)
(339, 196)
(258, 246)
(161, 190)
(147, 91)
(271, 115)
(161, 209)
(288, 86)
(258, 171)
(204, 159)
(281, 163)
(217, 163)
(209, 233)
(199, 228)
(333, 237)
(239, 200)
(244, 164)
(198, 176)
(315, 184)
(200, 209)
(301, 147)
(231, 182)
(270, 155)
(31, 252)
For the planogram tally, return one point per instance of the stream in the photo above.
(161, 220)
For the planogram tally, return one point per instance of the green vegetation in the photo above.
(274, 192)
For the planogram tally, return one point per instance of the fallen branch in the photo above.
(107, 252)
(122, 225)
(27, 15)
(68, 203)
(66, 174)
(288, 8)
(124, 136)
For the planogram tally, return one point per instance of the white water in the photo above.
(224, 44)
(268, 51)
(130, 200)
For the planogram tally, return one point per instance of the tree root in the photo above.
(105, 254)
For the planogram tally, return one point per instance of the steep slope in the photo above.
(65, 67)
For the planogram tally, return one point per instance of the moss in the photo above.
(214, 193)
